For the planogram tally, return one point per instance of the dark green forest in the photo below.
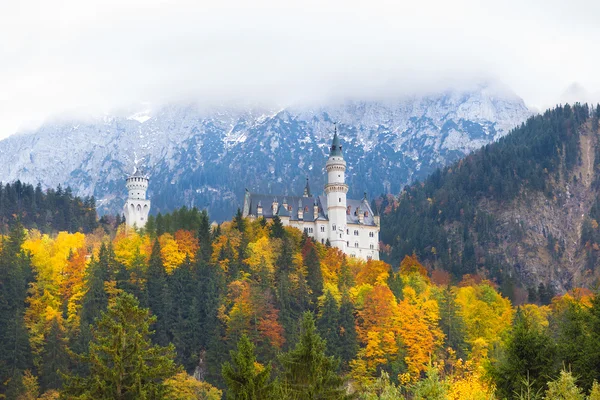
(441, 220)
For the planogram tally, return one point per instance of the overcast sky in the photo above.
(95, 56)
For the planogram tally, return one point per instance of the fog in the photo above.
(91, 57)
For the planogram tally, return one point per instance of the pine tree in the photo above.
(530, 353)
(244, 377)
(54, 357)
(307, 372)
(156, 294)
(276, 228)
(328, 324)
(15, 275)
(564, 388)
(314, 277)
(348, 337)
(122, 361)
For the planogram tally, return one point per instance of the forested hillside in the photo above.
(258, 311)
(522, 211)
(53, 209)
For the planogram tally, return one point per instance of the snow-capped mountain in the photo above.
(205, 157)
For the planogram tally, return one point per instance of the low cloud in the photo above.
(95, 56)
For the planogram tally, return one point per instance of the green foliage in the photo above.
(529, 357)
(245, 379)
(55, 210)
(382, 389)
(122, 361)
(307, 372)
(15, 275)
(564, 388)
(499, 171)
(432, 387)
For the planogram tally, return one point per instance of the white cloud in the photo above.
(93, 56)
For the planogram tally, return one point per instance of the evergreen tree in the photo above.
(314, 277)
(157, 296)
(276, 228)
(529, 354)
(328, 324)
(15, 275)
(564, 388)
(122, 361)
(244, 377)
(348, 338)
(307, 372)
(55, 358)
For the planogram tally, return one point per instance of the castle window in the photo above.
(348, 244)
(355, 233)
(322, 241)
(310, 230)
(355, 244)
(347, 231)
(366, 213)
(371, 234)
(369, 258)
(348, 210)
(340, 199)
(333, 227)
(340, 235)
(289, 208)
(372, 246)
(322, 229)
(306, 209)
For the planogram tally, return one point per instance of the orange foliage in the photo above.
(373, 272)
(410, 265)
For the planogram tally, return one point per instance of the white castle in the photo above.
(349, 225)
(136, 207)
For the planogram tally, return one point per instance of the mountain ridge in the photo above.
(206, 157)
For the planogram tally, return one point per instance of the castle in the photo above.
(350, 225)
(137, 207)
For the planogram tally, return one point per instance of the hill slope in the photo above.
(523, 210)
(207, 157)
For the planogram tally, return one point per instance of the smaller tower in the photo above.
(335, 190)
(137, 207)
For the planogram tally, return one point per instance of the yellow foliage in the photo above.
(184, 387)
(171, 254)
(486, 314)
(129, 246)
(260, 255)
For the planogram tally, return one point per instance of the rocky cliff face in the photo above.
(206, 157)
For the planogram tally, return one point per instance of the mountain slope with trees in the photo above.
(523, 211)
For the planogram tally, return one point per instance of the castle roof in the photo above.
(294, 203)
(336, 147)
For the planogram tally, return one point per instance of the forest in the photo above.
(254, 310)
(451, 219)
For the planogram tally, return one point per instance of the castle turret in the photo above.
(336, 190)
(137, 207)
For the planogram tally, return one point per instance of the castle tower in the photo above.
(336, 190)
(136, 207)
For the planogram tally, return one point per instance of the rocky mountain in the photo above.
(523, 211)
(205, 157)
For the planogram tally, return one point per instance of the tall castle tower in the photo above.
(136, 207)
(336, 190)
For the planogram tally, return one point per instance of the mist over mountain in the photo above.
(205, 157)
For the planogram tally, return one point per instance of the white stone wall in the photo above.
(367, 238)
(136, 212)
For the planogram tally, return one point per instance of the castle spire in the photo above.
(306, 189)
(336, 147)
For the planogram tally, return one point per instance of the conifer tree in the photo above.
(15, 275)
(276, 228)
(348, 338)
(244, 377)
(54, 357)
(307, 372)
(156, 294)
(123, 362)
(529, 354)
(314, 276)
(328, 324)
(564, 388)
